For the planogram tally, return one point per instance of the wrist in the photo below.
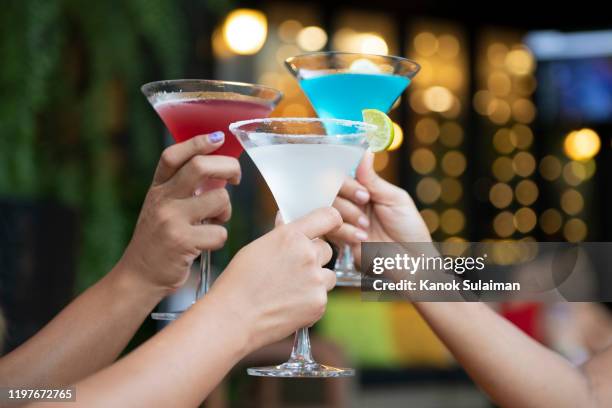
(234, 320)
(126, 282)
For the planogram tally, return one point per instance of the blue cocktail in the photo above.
(341, 85)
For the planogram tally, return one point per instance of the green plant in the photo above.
(73, 125)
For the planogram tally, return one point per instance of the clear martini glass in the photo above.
(342, 84)
(304, 164)
(191, 107)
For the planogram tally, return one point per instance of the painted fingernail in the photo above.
(363, 221)
(216, 137)
(361, 235)
(362, 196)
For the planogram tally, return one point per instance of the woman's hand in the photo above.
(375, 210)
(169, 233)
(276, 284)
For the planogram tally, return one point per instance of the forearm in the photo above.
(513, 369)
(178, 367)
(86, 336)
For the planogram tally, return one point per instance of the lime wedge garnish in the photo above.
(382, 137)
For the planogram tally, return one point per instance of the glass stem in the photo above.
(301, 354)
(345, 261)
(205, 275)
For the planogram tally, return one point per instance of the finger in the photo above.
(348, 233)
(175, 156)
(324, 251)
(210, 205)
(318, 222)
(208, 237)
(190, 176)
(380, 190)
(329, 278)
(351, 213)
(353, 190)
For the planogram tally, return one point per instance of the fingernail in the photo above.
(216, 137)
(361, 235)
(362, 196)
(363, 221)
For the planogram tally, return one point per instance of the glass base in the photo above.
(348, 278)
(166, 315)
(301, 370)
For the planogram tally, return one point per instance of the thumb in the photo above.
(367, 176)
(381, 191)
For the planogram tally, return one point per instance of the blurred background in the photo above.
(506, 134)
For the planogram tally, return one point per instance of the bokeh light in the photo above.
(582, 144)
(312, 38)
(423, 161)
(498, 111)
(522, 136)
(288, 30)
(550, 221)
(523, 110)
(499, 83)
(502, 169)
(427, 130)
(370, 43)
(438, 98)
(452, 221)
(550, 168)
(245, 31)
(575, 230)
(574, 173)
(525, 220)
(454, 163)
(426, 44)
(524, 164)
(428, 190)
(520, 61)
(503, 224)
(481, 101)
(526, 192)
(451, 134)
(398, 137)
(572, 201)
(451, 190)
(501, 195)
(502, 141)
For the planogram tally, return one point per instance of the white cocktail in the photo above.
(304, 162)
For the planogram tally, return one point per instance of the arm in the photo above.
(254, 302)
(86, 336)
(91, 331)
(513, 369)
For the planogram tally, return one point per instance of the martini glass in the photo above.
(304, 165)
(341, 85)
(191, 107)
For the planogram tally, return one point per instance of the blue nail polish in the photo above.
(216, 137)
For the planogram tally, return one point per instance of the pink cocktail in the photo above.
(191, 107)
(186, 118)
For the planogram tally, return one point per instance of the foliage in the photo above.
(73, 124)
